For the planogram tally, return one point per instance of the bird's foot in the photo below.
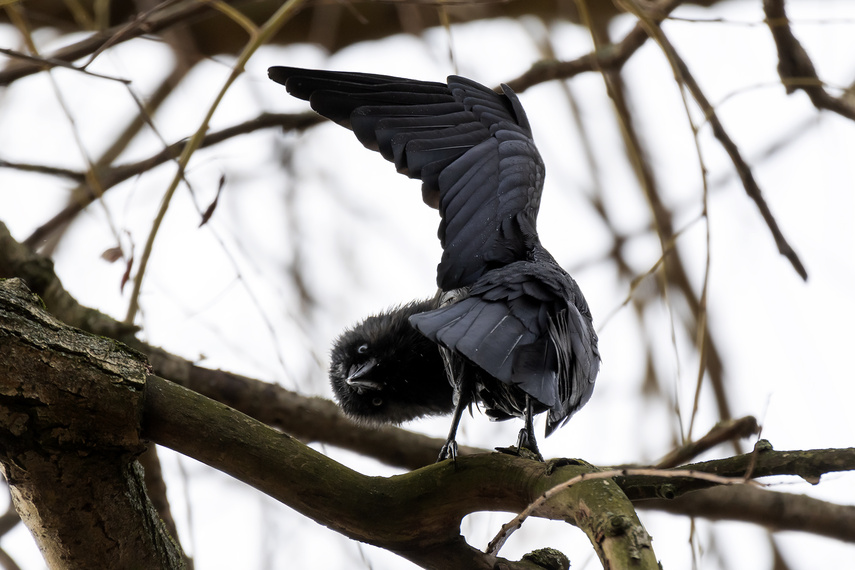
(448, 451)
(526, 447)
(523, 452)
(526, 442)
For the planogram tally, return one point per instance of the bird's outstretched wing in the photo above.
(470, 146)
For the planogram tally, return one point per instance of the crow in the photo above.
(514, 330)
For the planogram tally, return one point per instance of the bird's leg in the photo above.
(526, 438)
(449, 450)
(463, 398)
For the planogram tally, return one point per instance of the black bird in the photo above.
(516, 331)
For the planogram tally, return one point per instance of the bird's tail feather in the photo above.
(488, 335)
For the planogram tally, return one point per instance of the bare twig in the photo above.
(123, 172)
(610, 57)
(257, 39)
(651, 24)
(795, 66)
(510, 527)
(155, 22)
(43, 169)
(721, 432)
(48, 62)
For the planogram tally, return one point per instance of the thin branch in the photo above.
(72, 175)
(264, 33)
(795, 66)
(674, 272)
(605, 58)
(148, 23)
(120, 173)
(809, 464)
(652, 25)
(510, 527)
(771, 509)
(48, 62)
(721, 432)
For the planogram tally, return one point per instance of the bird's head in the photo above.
(384, 371)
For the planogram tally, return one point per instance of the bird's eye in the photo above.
(363, 348)
(377, 401)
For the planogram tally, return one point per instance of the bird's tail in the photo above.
(489, 336)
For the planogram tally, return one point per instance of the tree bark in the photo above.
(69, 415)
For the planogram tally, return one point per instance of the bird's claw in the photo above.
(526, 447)
(524, 452)
(448, 451)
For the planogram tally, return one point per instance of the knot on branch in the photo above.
(548, 558)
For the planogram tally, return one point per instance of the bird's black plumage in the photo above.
(375, 381)
(517, 332)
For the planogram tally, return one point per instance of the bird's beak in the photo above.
(356, 376)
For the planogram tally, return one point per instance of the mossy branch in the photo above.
(416, 515)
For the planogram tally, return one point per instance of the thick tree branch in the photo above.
(416, 515)
(317, 419)
(182, 419)
(92, 388)
(69, 413)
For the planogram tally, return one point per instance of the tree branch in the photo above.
(161, 17)
(114, 175)
(612, 57)
(416, 515)
(774, 510)
(795, 66)
(65, 390)
(183, 420)
(69, 413)
(650, 21)
(721, 432)
(810, 465)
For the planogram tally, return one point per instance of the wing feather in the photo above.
(471, 147)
